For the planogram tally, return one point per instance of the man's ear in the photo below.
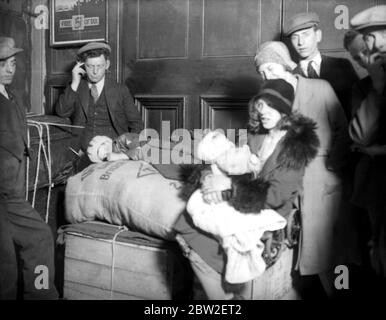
(107, 64)
(318, 35)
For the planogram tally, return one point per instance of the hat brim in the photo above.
(275, 103)
(10, 52)
(370, 25)
(301, 27)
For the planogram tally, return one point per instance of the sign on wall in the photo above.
(78, 21)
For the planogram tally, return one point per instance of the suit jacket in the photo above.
(125, 117)
(13, 145)
(340, 73)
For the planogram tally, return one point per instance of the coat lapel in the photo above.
(271, 164)
(303, 95)
(323, 67)
(111, 99)
(84, 96)
(20, 114)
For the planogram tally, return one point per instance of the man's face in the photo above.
(305, 42)
(271, 71)
(7, 70)
(358, 50)
(376, 41)
(96, 68)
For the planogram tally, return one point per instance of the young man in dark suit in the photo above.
(305, 34)
(24, 236)
(96, 102)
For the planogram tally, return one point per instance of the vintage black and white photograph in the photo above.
(192, 150)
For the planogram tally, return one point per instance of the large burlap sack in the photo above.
(131, 193)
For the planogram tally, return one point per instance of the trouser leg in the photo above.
(36, 250)
(8, 262)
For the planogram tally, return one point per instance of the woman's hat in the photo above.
(7, 48)
(274, 52)
(279, 94)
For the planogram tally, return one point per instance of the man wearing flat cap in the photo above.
(24, 236)
(305, 34)
(368, 127)
(96, 102)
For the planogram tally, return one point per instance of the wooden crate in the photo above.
(276, 282)
(152, 271)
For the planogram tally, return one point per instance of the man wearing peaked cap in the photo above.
(368, 126)
(303, 30)
(97, 102)
(300, 21)
(23, 233)
(94, 46)
(371, 17)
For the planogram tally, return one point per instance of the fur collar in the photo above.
(300, 144)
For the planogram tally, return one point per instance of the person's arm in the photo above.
(365, 122)
(340, 139)
(351, 78)
(373, 150)
(283, 186)
(133, 117)
(68, 100)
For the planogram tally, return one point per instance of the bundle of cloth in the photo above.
(240, 223)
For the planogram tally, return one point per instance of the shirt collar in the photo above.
(99, 85)
(316, 63)
(3, 91)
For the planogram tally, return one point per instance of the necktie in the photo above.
(311, 71)
(94, 92)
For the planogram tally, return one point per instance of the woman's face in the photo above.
(272, 70)
(269, 117)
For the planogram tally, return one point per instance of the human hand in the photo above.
(215, 182)
(77, 73)
(375, 64)
(212, 197)
(135, 154)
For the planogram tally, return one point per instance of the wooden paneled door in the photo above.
(190, 62)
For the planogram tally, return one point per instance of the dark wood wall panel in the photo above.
(224, 112)
(162, 29)
(53, 93)
(270, 20)
(230, 28)
(155, 109)
(62, 61)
